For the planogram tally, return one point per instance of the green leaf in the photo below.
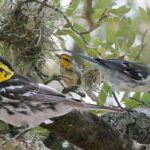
(133, 52)
(120, 11)
(97, 13)
(1, 2)
(111, 31)
(137, 95)
(73, 6)
(96, 42)
(79, 28)
(103, 3)
(82, 29)
(63, 44)
(77, 38)
(39, 130)
(107, 46)
(56, 3)
(131, 39)
(104, 93)
(130, 103)
(146, 98)
(144, 15)
(92, 51)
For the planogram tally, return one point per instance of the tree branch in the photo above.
(115, 131)
(87, 131)
(136, 123)
(142, 45)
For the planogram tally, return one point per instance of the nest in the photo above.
(27, 30)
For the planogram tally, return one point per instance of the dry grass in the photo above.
(27, 31)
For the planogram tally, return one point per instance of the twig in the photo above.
(54, 77)
(40, 74)
(68, 21)
(66, 18)
(103, 16)
(39, 39)
(140, 101)
(42, 6)
(88, 13)
(142, 44)
(116, 99)
(73, 89)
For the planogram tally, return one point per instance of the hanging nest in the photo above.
(27, 30)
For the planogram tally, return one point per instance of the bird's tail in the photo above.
(82, 56)
(86, 106)
(77, 104)
(102, 63)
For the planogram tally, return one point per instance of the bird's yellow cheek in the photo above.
(5, 73)
(4, 76)
(66, 64)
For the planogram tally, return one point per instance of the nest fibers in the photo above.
(26, 33)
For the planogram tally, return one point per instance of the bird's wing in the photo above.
(19, 88)
(23, 96)
(135, 71)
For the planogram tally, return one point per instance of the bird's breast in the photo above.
(19, 113)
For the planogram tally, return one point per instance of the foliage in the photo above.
(98, 28)
(110, 31)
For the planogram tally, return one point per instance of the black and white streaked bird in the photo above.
(24, 103)
(122, 75)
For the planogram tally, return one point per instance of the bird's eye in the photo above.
(5, 73)
(1, 70)
(66, 59)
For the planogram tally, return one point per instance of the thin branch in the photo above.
(140, 101)
(142, 45)
(39, 39)
(73, 89)
(54, 77)
(42, 6)
(103, 16)
(68, 21)
(88, 10)
(116, 99)
(76, 128)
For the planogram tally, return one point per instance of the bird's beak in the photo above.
(83, 56)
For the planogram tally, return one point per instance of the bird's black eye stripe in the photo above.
(4, 61)
(69, 60)
(4, 72)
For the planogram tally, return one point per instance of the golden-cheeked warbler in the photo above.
(71, 74)
(70, 70)
(24, 103)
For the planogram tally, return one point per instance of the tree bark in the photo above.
(87, 131)
(115, 131)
